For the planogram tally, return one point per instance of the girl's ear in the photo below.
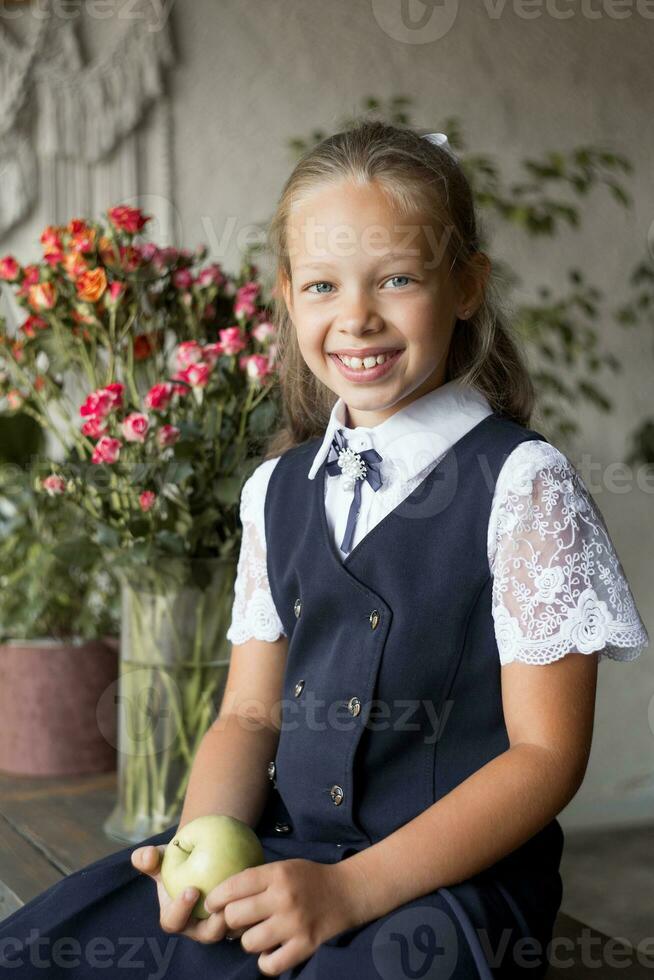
(473, 284)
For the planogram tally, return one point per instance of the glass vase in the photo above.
(174, 660)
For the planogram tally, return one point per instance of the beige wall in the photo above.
(252, 75)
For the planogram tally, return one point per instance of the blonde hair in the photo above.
(414, 173)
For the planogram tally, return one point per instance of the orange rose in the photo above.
(74, 265)
(42, 296)
(50, 239)
(91, 285)
(106, 251)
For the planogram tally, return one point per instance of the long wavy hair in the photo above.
(417, 174)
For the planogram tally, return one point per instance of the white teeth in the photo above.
(367, 362)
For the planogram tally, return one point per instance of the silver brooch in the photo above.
(352, 466)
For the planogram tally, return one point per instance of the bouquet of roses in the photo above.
(179, 361)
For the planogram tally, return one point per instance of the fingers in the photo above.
(175, 915)
(147, 859)
(177, 918)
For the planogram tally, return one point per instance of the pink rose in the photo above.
(115, 391)
(135, 427)
(212, 275)
(97, 405)
(188, 352)
(211, 353)
(9, 269)
(183, 278)
(51, 239)
(94, 428)
(54, 484)
(167, 435)
(245, 299)
(147, 499)
(107, 450)
(148, 251)
(30, 277)
(256, 366)
(158, 397)
(231, 340)
(198, 375)
(103, 401)
(116, 289)
(263, 331)
(163, 258)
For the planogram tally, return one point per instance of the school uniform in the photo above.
(400, 562)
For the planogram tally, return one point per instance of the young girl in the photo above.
(424, 591)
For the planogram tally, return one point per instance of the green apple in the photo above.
(204, 852)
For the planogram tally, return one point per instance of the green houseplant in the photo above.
(58, 617)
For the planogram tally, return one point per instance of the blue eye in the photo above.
(324, 283)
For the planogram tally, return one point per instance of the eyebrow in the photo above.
(390, 256)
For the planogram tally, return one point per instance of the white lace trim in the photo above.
(254, 614)
(558, 585)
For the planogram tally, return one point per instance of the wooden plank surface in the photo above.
(51, 827)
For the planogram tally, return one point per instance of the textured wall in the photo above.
(522, 78)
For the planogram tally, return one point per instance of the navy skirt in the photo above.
(103, 921)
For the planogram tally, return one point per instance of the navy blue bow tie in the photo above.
(355, 467)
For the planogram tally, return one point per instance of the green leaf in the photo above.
(106, 535)
(170, 543)
(79, 551)
(619, 193)
(227, 490)
(262, 418)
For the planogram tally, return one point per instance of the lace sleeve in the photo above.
(253, 611)
(558, 584)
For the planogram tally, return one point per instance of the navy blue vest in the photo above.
(392, 691)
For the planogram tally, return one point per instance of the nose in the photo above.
(358, 313)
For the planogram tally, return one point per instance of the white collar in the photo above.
(415, 435)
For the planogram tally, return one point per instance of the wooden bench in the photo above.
(52, 827)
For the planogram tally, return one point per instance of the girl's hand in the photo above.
(284, 910)
(175, 914)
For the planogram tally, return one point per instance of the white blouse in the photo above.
(558, 585)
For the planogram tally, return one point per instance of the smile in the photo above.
(383, 363)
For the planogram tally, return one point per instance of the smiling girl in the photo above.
(424, 591)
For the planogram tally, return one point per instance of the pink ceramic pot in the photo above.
(54, 720)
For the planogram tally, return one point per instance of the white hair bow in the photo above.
(440, 139)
